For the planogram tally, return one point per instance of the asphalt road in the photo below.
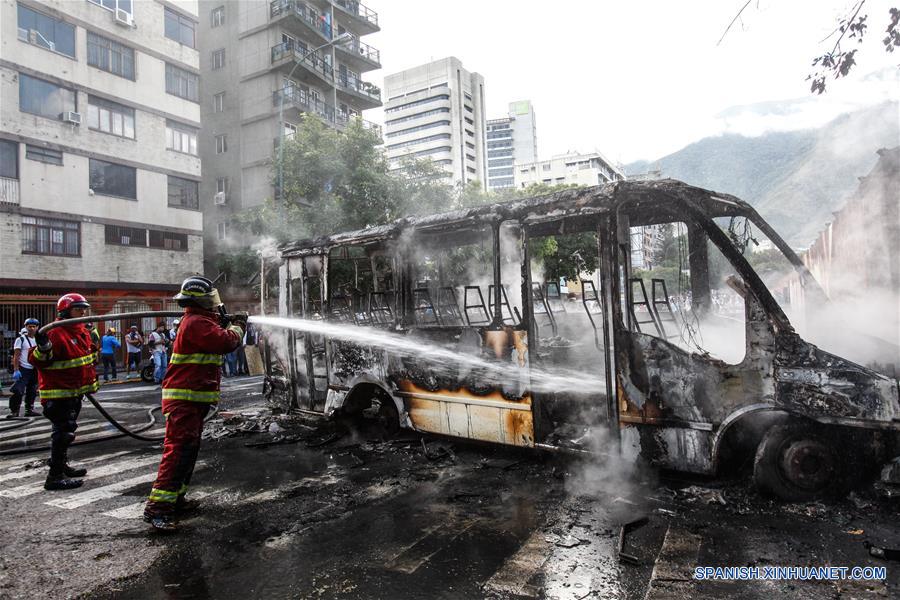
(332, 515)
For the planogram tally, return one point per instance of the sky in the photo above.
(640, 79)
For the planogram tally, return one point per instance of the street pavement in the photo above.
(326, 514)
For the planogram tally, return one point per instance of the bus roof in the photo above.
(650, 201)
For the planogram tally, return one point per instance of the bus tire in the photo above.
(799, 461)
(386, 416)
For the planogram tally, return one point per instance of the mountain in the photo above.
(795, 179)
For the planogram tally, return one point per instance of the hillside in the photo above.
(795, 179)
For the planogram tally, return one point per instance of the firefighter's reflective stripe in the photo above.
(41, 356)
(183, 489)
(162, 496)
(189, 395)
(197, 359)
(68, 364)
(71, 392)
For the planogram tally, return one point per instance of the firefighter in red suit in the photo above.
(64, 359)
(190, 387)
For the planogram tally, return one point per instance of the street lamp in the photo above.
(338, 40)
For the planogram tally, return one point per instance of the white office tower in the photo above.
(436, 111)
(511, 141)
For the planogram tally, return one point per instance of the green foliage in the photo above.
(238, 267)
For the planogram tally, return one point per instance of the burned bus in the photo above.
(679, 334)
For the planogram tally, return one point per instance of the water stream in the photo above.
(541, 379)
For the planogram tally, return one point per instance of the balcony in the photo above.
(9, 190)
(360, 90)
(359, 55)
(365, 18)
(298, 98)
(344, 119)
(309, 18)
(284, 56)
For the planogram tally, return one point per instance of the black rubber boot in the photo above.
(161, 523)
(59, 482)
(73, 472)
(184, 507)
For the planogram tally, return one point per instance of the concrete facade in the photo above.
(567, 169)
(511, 140)
(436, 111)
(57, 233)
(253, 57)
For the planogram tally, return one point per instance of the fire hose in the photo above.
(124, 431)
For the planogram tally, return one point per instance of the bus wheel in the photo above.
(386, 416)
(797, 462)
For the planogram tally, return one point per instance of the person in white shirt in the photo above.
(133, 342)
(24, 375)
(159, 341)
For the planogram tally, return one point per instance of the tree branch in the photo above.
(736, 17)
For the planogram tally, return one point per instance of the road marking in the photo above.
(435, 540)
(104, 471)
(29, 472)
(136, 510)
(112, 490)
(513, 577)
(39, 429)
(123, 406)
(673, 572)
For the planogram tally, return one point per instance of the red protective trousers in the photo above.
(184, 426)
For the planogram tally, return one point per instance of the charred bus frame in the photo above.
(812, 418)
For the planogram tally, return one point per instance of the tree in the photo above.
(838, 61)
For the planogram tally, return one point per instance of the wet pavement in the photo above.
(322, 514)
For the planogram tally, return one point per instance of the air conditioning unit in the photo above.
(124, 18)
(219, 199)
(71, 117)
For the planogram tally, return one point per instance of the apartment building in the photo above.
(99, 158)
(565, 169)
(265, 65)
(436, 111)
(511, 140)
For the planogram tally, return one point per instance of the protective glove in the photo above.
(42, 340)
(17, 375)
(240, 319)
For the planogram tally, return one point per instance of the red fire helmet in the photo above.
(71, 301)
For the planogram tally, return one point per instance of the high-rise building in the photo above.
(436, 111)
(99, 161)
(265, 63)
(511, 141)
(571, 168)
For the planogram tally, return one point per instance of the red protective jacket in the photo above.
(193, 372)
(67, 370)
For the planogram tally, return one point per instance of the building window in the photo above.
(168, 241)
(469, 133)
(110, 56)
(219, 102)
(468, 108)
(222, 185)
(546, 166)
(470, 145)
(470, 157)
(51, 236)
(114, 5)
(471, 122)
(221, 144)
(181, 83)
(418, 128)
(470, 169)
(110, 117)
(183, 193)
(179, 28)
(222, 231)
(218, 58)
(43, 98)
(9, 159)
(181, 138)
(110, 179)
(44, 155)
(120, 235)
(39, 29)
(218, 16)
